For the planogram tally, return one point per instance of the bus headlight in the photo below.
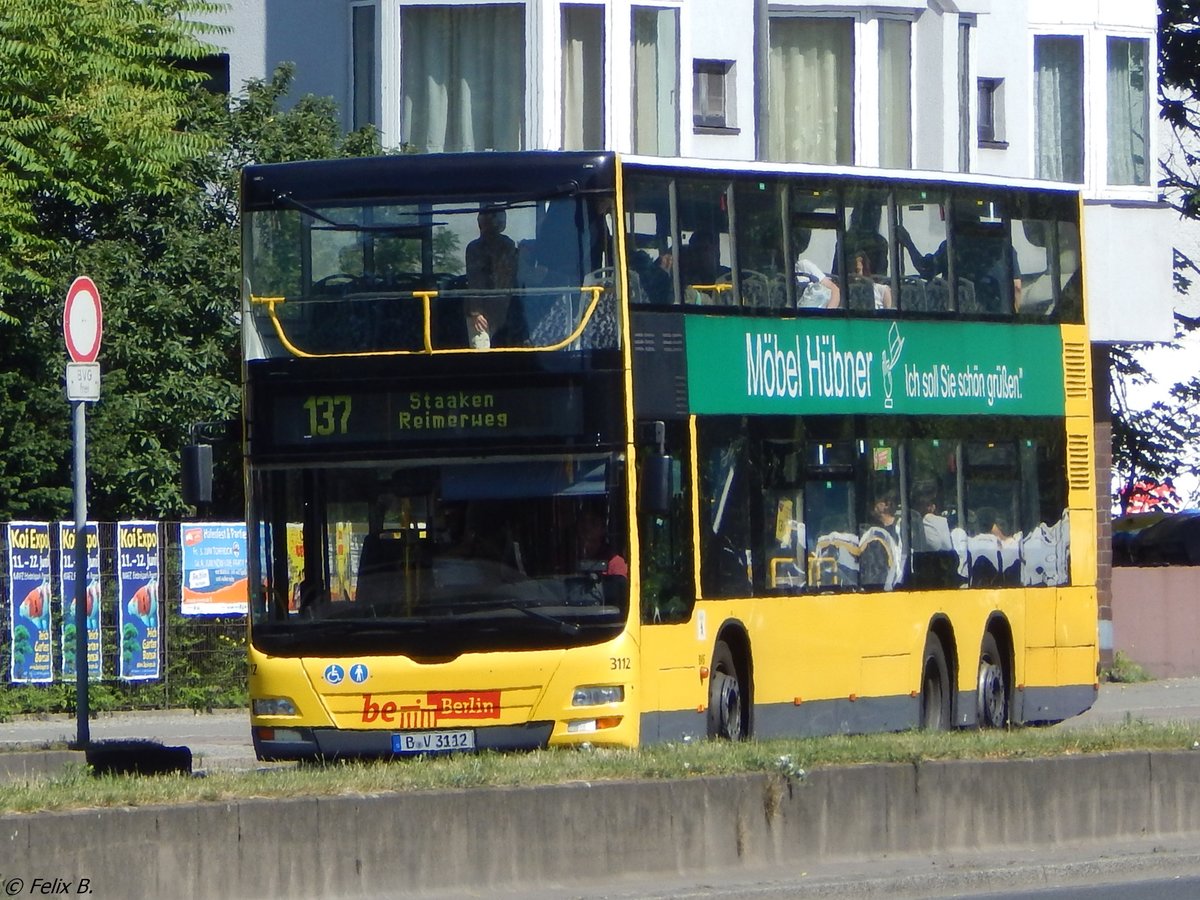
(598, 695)
(273, 706)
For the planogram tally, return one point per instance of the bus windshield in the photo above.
(382, 275)
(450, 554)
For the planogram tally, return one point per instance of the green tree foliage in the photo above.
(1159, 440)
(162, 246)
(90, 101)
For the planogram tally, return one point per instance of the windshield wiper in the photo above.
(568, 628)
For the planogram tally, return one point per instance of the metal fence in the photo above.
(203, 658)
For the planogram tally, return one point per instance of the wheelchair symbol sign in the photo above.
(335, 674)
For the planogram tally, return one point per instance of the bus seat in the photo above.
(862, 292)
(983, 560)
(878, 559)
(835, 560)
(937, 295)
(754, 288)
(969, 300)
(912, 294)
(601, 329)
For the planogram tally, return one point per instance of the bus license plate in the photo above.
(433, 741)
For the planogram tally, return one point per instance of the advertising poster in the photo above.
(137, 601)
(295, 556)
(31, 657)
(66, 578)
(214, 568)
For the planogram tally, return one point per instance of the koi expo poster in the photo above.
(215, 578)
(66, 578)
(32, 655)
(138, 610)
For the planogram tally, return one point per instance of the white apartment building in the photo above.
(1056, 89)
(1062, 90)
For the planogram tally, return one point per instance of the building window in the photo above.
(214, 68)
(895, 94)
(462, 75)
(712, 93)
(991, 112)
(809, 112)
(582, 77)
(655, 62)
(362, 27)
(1128, 111)
(1058, 103)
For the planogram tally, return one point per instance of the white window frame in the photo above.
(1095, 109)
(864, 124)
(621, 84)
(728, 79)
(389, 44)
(1152, 146)
(546, 77)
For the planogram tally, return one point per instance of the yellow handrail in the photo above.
(426, 298)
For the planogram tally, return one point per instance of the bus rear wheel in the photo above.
(993, 699)
(935, 687)
(726, 717)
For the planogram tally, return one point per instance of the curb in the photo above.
(497, 838)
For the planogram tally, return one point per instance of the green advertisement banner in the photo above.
(864, 366)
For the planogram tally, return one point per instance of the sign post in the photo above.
(82, 326)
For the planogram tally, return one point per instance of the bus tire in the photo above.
(935, 687)
(726, 716)
(992, 704)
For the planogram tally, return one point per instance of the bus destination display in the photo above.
(416, 415)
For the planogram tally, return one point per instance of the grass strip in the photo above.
(793, 757)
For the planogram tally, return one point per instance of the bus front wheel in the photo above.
(725, 714)
(935, 687)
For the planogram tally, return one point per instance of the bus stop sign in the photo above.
(83, 320)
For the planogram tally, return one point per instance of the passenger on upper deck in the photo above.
(700, 261)
(979, 258)
(862, 236)
(491, 266)
(655, 275)
(881, 294)
(571, 244)
(814, 289)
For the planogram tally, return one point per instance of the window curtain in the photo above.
(582, 77)
(1128, 111)
(1058, 93)
(809, 117)
(895, 94)
(463, 77)
(655, 80)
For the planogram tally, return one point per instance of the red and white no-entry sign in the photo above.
(83, 320)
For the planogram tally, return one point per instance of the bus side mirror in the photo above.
(655, 496)
(197, 474)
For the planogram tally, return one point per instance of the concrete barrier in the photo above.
(507, 837)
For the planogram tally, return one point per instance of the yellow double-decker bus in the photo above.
(564, 448)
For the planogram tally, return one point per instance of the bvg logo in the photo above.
(439, 706)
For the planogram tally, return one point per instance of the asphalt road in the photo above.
(221, 739)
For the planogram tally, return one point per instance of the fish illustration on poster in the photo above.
(66, 576)
(138, 608)
(31, 653)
